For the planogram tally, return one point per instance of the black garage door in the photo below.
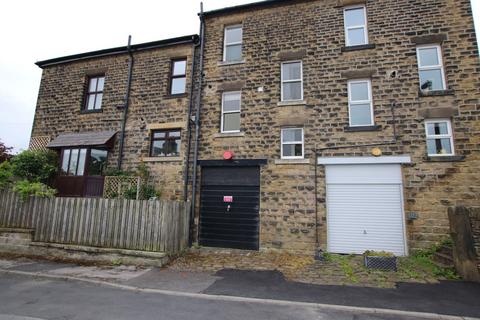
(229, 203)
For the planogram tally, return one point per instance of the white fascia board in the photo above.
(364, 160)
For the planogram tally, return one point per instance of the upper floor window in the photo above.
(292, 81)
(94, 93)
(292, 143)
(439, 137)
(178, 76)
(232, 50)
(360, 107)
(230, 112)
(430, 68)
(165, 143)
(355, 19)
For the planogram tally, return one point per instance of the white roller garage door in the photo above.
(365, 208)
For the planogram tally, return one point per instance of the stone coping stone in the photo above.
(17, 230)
(88, 249)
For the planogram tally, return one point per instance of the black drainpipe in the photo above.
(197, 123)
(189, 125)
(125, 106)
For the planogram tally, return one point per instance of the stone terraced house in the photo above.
(337, 125)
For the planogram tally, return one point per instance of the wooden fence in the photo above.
(148, 225)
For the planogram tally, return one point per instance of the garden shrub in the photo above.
(26, 188)
(35, 166)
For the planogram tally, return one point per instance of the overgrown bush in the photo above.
(27, 188)
(35, 166)
(6, 175)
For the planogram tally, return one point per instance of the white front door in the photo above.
(365, 208)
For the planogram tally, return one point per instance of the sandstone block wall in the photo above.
(62, 92)
(312, 31)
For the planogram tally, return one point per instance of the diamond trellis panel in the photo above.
(39, 143)
(117, 186)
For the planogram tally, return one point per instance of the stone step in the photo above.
(447, 250)
(16, 236)
(14, 241)
(443, 260)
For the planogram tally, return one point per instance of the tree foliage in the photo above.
(5, 152)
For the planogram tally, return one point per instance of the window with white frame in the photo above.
(430, 68)
(360, 107)
(355, 19)
(292, 143)
(439, 137)
(292, 81)
(232, 50)
(230, 112)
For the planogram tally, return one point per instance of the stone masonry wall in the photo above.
(312, 31)
(62, 91)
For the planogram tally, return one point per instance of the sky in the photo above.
(33, 30)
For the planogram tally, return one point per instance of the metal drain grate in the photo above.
(381, 263)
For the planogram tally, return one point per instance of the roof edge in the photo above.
(118, 50)
(246, 6)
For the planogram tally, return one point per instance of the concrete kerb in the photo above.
(241, 299)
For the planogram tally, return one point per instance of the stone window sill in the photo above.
(357, 48)
(230, 63)
(291, 103)
(363, 128)
(175, 96)
(162, 159)
(436, 93)
(91, 111)
(445, 158)
(229, 135)
(291, 161)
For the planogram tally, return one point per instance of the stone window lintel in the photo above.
(358, 74)
(429, 39)
(168, 125)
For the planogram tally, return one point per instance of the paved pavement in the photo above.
(263, 295)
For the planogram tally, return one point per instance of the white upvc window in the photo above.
(292, 146)
(230, 121)
(232, 46)
(360, 106)
(430, 68)
(292, 81)
(355, 21)
(439, 137)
